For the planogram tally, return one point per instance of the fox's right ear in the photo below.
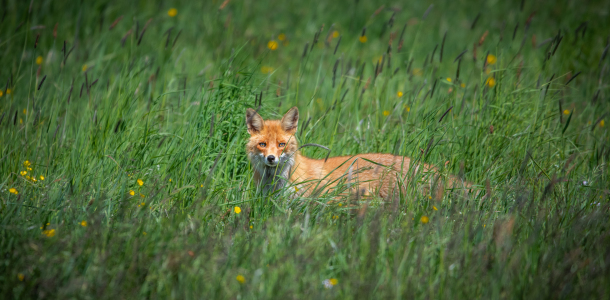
(254, 121)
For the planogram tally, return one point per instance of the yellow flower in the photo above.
(386, 113)
(1, 94)
(201, 185)
(340, 204)
(84, 68)
(417, 72)
(170, 180)
(296, 189)
(424, 219)
(142, 195)
(601, 123)
(335, 34)
(39, 60)
(83, 223)
(362, 39)
(491, 59)
(13, 191)
(266, 70)
(49, 232)
(41, 177)
(143, 203)
(20, 121)
(281, 37)
(399, 94)
(463, 85)
(131, 192)
(272, 44)
(434, 207)
(144, 233)
(140, 182)
(449, 79)
(566, 112)
(34, 179)
(429, 197)
(237, 209)
(20, 276)
(250, 226)
(172, 12)
(241, 279)
(334, 281)
(490, 82)
(407, 108)
(23, 173)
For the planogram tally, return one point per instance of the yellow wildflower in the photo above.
(601, 123)
(172, 12)
(272, 45)
(266, 70)
(49, 232)
(144, 233)
(8, 91)
(449, 79)
(566, 112)
(434, 207)
(386, 113)
(335, 34)
(1, 93)
(237, 209)
(142, 195)
(281, 37)
(491, 59)
(241, 279)
(490, 82)
(250, 226)
(41, 177)
(131, 192)
(463, 85)
(424, 219)
(23, 173)
(84, 68)
(21, 277)
(296, 189)
(334, 281)
(407, 108)
(399, 94)
(83, 223)
(170, 180)
(39, 60)
(362, 39)
(140, 182)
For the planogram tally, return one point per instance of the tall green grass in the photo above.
(162, 103)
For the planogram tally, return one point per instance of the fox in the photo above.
(274, 155)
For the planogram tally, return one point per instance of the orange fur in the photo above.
(366, 174)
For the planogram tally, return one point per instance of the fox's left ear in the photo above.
(290, 120)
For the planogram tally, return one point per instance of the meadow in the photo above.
(123, 171)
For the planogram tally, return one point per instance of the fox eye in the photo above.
(263, 145)
(282, 144)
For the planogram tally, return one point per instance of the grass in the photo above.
(116, 98)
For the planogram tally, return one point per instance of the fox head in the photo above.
(272, 142)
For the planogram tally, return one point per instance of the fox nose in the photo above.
(270, 158)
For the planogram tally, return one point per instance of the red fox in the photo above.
(274, 154)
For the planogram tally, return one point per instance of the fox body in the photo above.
(274, 154)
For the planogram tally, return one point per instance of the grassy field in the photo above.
(123, 171)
